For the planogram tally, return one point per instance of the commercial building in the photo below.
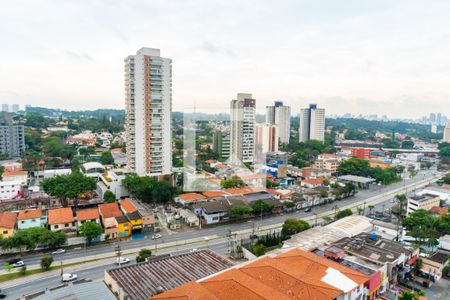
(243, 113)
(280, 115)
(266, 138)
(434, 265)
(159, 274)
(446, 137)
(12, 138)
(362, 153)
(425, 201)
(312, 124)
(221, 144)
(294, 274)
(148, 112)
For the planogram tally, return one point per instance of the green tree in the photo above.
(2, 170)
(46, 262)
(355, 166)
(109, 197)
(293, 226)
(422, 226)
(106, 158)
(261, 206)
(70, 186)
(344, 213)
(447, 178)
(90, 230)
(407, 144)
(258, 249)
(143, 255)
(239, 211)
(232, 183)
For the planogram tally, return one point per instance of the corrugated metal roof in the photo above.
(141, 281)
(82, 291)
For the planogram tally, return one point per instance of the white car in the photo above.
(59, 251)
(156, 236)
(69, 277)
(122, 260)
(193, 250)
(18, 264)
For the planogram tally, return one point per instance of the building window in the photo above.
(5, 232)
(66, 225)
(56, 226)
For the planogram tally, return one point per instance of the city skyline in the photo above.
(329, 55)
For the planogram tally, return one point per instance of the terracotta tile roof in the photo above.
(109, 210)
(116, 150)
(87, 214)
(221, 166)
(8, 219)
(14, 173)
(313, 181)
(210, 161)
(240, 191)
(295, 274)
(60, 215)
(127, 206)
(446, 186)
(214, 194)
(29, 214)
(442, 211)
(191, 196)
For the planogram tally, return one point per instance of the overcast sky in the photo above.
(384, 57)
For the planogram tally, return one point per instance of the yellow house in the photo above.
(123, 226)
(135, 219)
(7, 223)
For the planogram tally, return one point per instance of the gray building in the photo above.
(12, 138)
(221, 144)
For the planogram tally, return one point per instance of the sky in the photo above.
(353, 56)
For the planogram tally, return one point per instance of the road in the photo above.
(20, 287)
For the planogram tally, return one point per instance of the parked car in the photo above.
(59, 251)
(156, 236)
(2, 294)
(69, 277)
(193, 250)
(307, 209)
(122, 260)
(253, 236)
(14, 260)
(19, 264)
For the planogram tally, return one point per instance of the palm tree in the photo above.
(336, 208)
(371, 207)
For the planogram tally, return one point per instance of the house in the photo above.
(108, 213)
(111, 180)
(214, 194)
(133, 215)
(294, 274)
(16, 175)
(190, 198)
(31, 218)
(434, 265)
(10, 190)
(439, 211)
(312, 182)
(149, 223)
(61, 219)
(7, 223)
(217, 209)
(127, 206)
(87, 215)
(123, 226)
(110, 227)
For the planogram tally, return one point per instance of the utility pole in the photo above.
(62, 271)
(119, 253)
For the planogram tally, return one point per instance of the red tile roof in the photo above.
(313, 181)
(214, 194)
(60, 216)
(191, 196)
(87, 214)
(8, 219)
(29, 214)
(240, 191)
(442, 211)
(127, 206)
(109, 210)
(295, 274)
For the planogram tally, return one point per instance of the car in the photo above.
(156, 236)
(307, 209)
(59, 251)
(14, 260)
(253, 236)
(122, 260)
(193, 250)
(19, 264)
(69, 277)
(2, 294)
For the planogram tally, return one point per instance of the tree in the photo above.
(407, 295)
(271, 183)
(109, 197)
(239, 211)
(232, 183)
(407, 144)
(293, 226)
(423, 226)
(143, 255)
(46, 262)
(2, 169)
(260, 206)
(344, 213)
(90, 230)
(70, 186)
(54, 239)
(106, 158)
(447, 178)
(355, 166)
(258, 249)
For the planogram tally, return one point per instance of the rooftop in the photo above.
(87, 214)
(79, 291)
(214, 194)
(60, 215)
(8, 219)
(442, 211)
(29, 214)
(295, 274)
(109, 210)
(357, 179)
(439, 257)
(423, 197)
(143, 280)
(191, 197)
(127, 206)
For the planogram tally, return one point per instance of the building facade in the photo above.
(312, 124)
(242, 138)
(446, 137)
(12, 139)
(266, 138)
(280, 115)
(425, 201)
(221, 144)
(148, 112)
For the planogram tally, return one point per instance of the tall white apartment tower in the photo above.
(148, 112)
(312, 124)
(242, 137)
(280, 115)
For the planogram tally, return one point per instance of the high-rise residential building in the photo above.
(148, 112)
(266, 138)
(280, 115)
(433, 128)
(12, 137)
(5, 107)
(312, 124)
(242, 117)
(15, 108)
(221, 144)
(446, 137)
(432, 117)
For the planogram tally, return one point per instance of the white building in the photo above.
(280, 115)
(424, 201)
(242, 145)
(266, 138)
(312, 124)
(10, 189)
(446, 137)
(148, 111)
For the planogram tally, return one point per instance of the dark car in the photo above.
(2, 294)
(253, 236)
(307, 209)
(14, 261)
